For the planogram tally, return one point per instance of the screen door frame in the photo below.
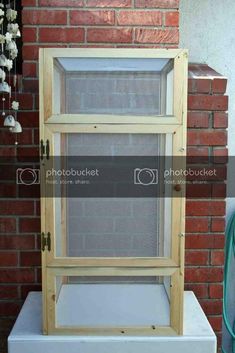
(79, 123)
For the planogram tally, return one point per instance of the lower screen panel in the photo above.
(108, 302)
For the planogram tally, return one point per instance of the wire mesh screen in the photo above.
(112, 226)
(133, 93)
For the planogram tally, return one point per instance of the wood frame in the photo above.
(50, 124)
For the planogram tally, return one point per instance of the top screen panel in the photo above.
(113, 86)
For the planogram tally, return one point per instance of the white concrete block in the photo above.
(26, 336)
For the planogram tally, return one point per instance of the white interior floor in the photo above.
(112, 305)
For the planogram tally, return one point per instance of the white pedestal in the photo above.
(26, 336)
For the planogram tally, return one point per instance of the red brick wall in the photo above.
(108, 23)
(205, 206)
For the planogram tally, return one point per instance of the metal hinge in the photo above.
(44, 149)
(46, 241)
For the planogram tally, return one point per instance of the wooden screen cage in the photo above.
(112, 264)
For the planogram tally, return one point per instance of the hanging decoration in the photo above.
(9, 52)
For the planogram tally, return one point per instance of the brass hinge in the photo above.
(44, 149)
(46, 241)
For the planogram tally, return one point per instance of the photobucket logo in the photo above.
(189, 172)
(72, 172)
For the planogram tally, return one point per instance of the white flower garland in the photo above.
(9, 52)
(11, 15)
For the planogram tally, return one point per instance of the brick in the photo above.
(205, 208)
(30, 258)
(219, 338)
(16, 207)
(8, 258)
(108, 35)
(90, 17)
(3, 340)
(167, 36)
(25, 138)
(8, 152)
(30, 52)
(219, 85)
(203, 275)
(215, 291)
(36, 136)
(108, 3)
(219, 190)
(167, 4)
(7, 225)
(6, 325)
(31, 85)
(197, 257)
(29, 34)
(212, 307)
(37, 101)
(16, 275)
(216, 323)
(198, 191)
(29, 69)
(29, 225)
(28, 3)
(197, 225)
(199, 85)
(38, 275)
(29, 119)
(217, 258)
(44, 17)
(9, 308)
(143, 18)
(38, 242)
(38, 208)
(204, 241)
(29, 154)
(61, 3)
(197, 155)
(8, 173)
(207, 102)
(200, 290)
(60, 34)
(8, 292)
(30, 288)
(8, 190)
(29, 191)
(220, 155)
(218, 152)
(220, 120)
(207, 137)
(218, 224)
(17, 242)
(172, 19)
(25, 100)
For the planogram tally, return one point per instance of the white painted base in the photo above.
(26, 336)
